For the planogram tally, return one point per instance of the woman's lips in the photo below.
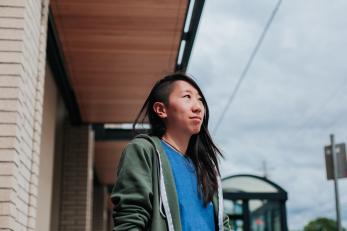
(196, 118)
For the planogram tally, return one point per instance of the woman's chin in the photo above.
(195, 131)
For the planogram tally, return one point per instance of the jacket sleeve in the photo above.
(132, 192)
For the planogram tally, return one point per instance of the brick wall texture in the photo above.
(23, 26)
(77, 179)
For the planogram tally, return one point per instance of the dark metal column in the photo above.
(246, 217)
(284, 226)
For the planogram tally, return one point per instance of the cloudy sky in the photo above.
(291, 100)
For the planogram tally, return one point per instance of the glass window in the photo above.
(233, 207)
(236, 225)
(264, 215)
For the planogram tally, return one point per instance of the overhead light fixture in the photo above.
(126, 126)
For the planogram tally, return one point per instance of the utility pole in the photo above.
(265, 169)
(337, 200)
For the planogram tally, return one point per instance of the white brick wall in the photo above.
(23, 26)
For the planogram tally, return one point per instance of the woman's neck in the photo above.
(179, 142)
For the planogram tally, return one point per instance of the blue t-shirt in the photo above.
(194, 215)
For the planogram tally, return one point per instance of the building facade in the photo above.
(69, 71)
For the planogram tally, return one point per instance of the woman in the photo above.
(169, 179)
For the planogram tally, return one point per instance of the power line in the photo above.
(320, 110)
(317, 114)
(248, 65)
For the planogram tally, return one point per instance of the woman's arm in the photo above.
(132, 193)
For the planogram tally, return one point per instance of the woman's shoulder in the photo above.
(143, 142)
(138, 152)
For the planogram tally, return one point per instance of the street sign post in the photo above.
(335, 159)
(341, 161)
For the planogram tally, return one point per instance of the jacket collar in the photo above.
(171, 186)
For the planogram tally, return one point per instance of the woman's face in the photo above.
(185, 110)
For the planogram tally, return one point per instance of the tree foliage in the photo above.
(322, 224)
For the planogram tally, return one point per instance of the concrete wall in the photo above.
(100, 199)
(61, 118)
(44, 202)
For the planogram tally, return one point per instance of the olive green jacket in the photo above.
(144, 195)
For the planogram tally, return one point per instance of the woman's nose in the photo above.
(198, 106)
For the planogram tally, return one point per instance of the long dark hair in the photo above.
(201, 149)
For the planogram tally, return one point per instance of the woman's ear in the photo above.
(160, 109)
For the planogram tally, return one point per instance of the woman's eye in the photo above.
(200, 99)
(186, 96)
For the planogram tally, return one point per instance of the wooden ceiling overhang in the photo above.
(114, 51)
(107, 54)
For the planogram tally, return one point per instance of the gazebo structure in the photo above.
(254, 203)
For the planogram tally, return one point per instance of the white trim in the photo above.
(163, 196)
